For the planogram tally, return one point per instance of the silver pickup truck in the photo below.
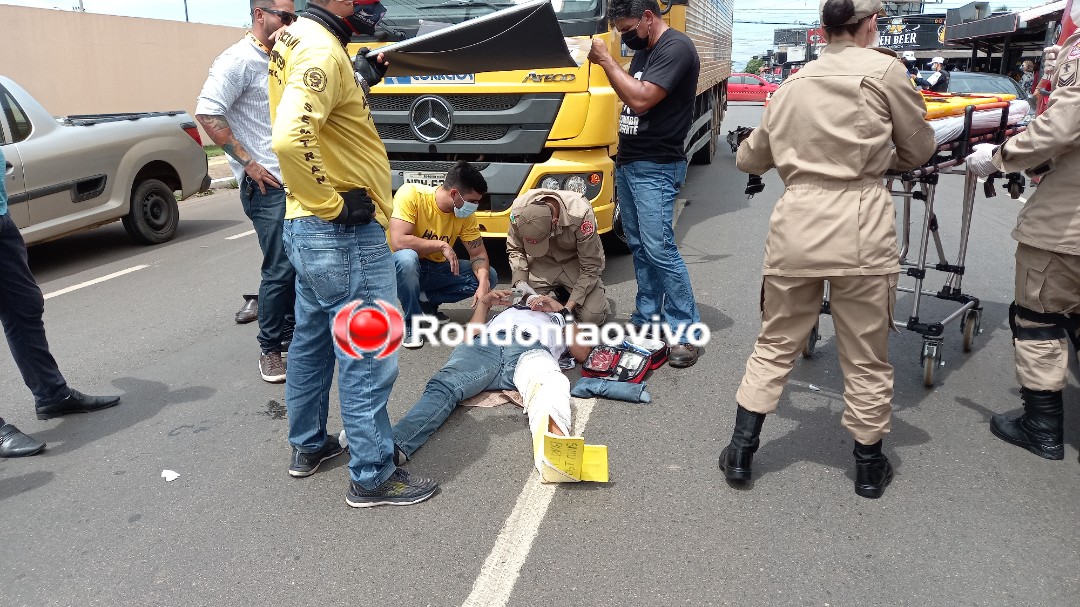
(71, 173)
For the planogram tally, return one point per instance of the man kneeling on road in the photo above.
(538, 330)
(552, 243)
(426, 223)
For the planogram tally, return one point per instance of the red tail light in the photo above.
(193, 131)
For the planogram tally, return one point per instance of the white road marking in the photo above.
(95, 281)
(500, 572)
(240, 235)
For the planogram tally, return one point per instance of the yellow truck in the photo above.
(549, 128)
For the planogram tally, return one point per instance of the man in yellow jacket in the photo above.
(337, 179)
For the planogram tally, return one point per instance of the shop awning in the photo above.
(1040, 12)
(999, 26)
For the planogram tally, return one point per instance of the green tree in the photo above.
(753, 65)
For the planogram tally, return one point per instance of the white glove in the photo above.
(1050, 54)
(979, 161)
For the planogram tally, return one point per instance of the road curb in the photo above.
(223, 183)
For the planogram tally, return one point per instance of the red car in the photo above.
(748, 87)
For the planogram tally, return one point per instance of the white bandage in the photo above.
(545, 391)
(980, 161)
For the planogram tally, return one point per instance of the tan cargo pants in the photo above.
(1045, 282)
(862, 309)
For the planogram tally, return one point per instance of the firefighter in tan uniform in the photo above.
(552, 242)
(1046, 309)
(835, 222)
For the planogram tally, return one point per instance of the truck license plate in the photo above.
(431, 178)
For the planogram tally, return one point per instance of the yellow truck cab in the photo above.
(544, 128)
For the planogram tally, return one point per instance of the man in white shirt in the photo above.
(234, 110)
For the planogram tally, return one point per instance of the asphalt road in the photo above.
(969, 520)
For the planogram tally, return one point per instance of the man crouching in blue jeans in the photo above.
(535, 331)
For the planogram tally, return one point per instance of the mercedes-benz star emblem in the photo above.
(431, 119)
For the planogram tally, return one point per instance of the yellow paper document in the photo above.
(567, 459)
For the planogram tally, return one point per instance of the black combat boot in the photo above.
(873, 472)
(736, 458)
(1039, 429)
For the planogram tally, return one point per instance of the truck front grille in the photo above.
(430, 165)
(460, 132)
(460, 103)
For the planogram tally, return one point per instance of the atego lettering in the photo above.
(534, 77)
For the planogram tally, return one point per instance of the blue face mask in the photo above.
(466, 209)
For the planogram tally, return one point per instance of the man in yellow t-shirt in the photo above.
(426, 223)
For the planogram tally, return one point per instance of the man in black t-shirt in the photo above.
(658, 93)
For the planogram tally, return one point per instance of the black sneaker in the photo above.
(306, 464)
(400, 489)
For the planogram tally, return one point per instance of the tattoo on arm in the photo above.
(221, 133)
(472, 244)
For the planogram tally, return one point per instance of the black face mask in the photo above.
(634, 42)
(365, 17)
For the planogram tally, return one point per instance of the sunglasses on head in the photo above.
(286, 17)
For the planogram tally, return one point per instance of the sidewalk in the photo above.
(221, 176)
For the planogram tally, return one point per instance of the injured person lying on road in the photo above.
(518, 349)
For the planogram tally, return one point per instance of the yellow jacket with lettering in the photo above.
(323, 133)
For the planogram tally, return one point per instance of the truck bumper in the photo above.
(507, 181)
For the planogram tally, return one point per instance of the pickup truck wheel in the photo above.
(154, 214)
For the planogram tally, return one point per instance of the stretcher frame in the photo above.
(921, 184)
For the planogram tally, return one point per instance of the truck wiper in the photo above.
(466, 4)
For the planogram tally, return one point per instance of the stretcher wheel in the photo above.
(970, 328)
(931, 359)
(811, 341)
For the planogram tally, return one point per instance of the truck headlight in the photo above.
(550, 183)
(575, 183)
(588, 185)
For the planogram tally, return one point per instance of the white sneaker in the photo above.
(412, 342)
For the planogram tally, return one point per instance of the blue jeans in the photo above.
(647, 192)
(471, 370)
(21, 308)
(336, 265)
(416, 275)
(277, 290)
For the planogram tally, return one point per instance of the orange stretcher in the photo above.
(939, 105)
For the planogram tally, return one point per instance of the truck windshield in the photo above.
(404, 18)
